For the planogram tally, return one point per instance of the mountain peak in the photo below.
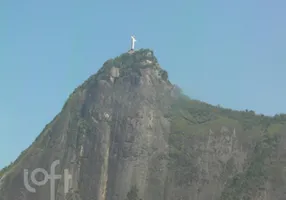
(126, 133)
(130, 64)
(141, 58)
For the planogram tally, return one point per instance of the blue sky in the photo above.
(223, 52)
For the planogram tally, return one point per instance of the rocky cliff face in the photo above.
(127, 126)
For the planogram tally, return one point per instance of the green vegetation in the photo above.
(5, 169)
(191, 121)
(197, 112)
(13, 164)
(243, 185)
(133, 193)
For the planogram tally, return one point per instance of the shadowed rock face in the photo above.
(129, 126)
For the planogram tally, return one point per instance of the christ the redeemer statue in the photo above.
(133, 40)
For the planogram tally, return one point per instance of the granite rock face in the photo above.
(127, 125)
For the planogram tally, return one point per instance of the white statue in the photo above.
(133, 40)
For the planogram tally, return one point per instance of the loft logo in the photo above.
(52, 177)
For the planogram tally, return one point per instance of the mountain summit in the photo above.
(127, 133)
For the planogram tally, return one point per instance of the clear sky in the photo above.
(231, 53)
